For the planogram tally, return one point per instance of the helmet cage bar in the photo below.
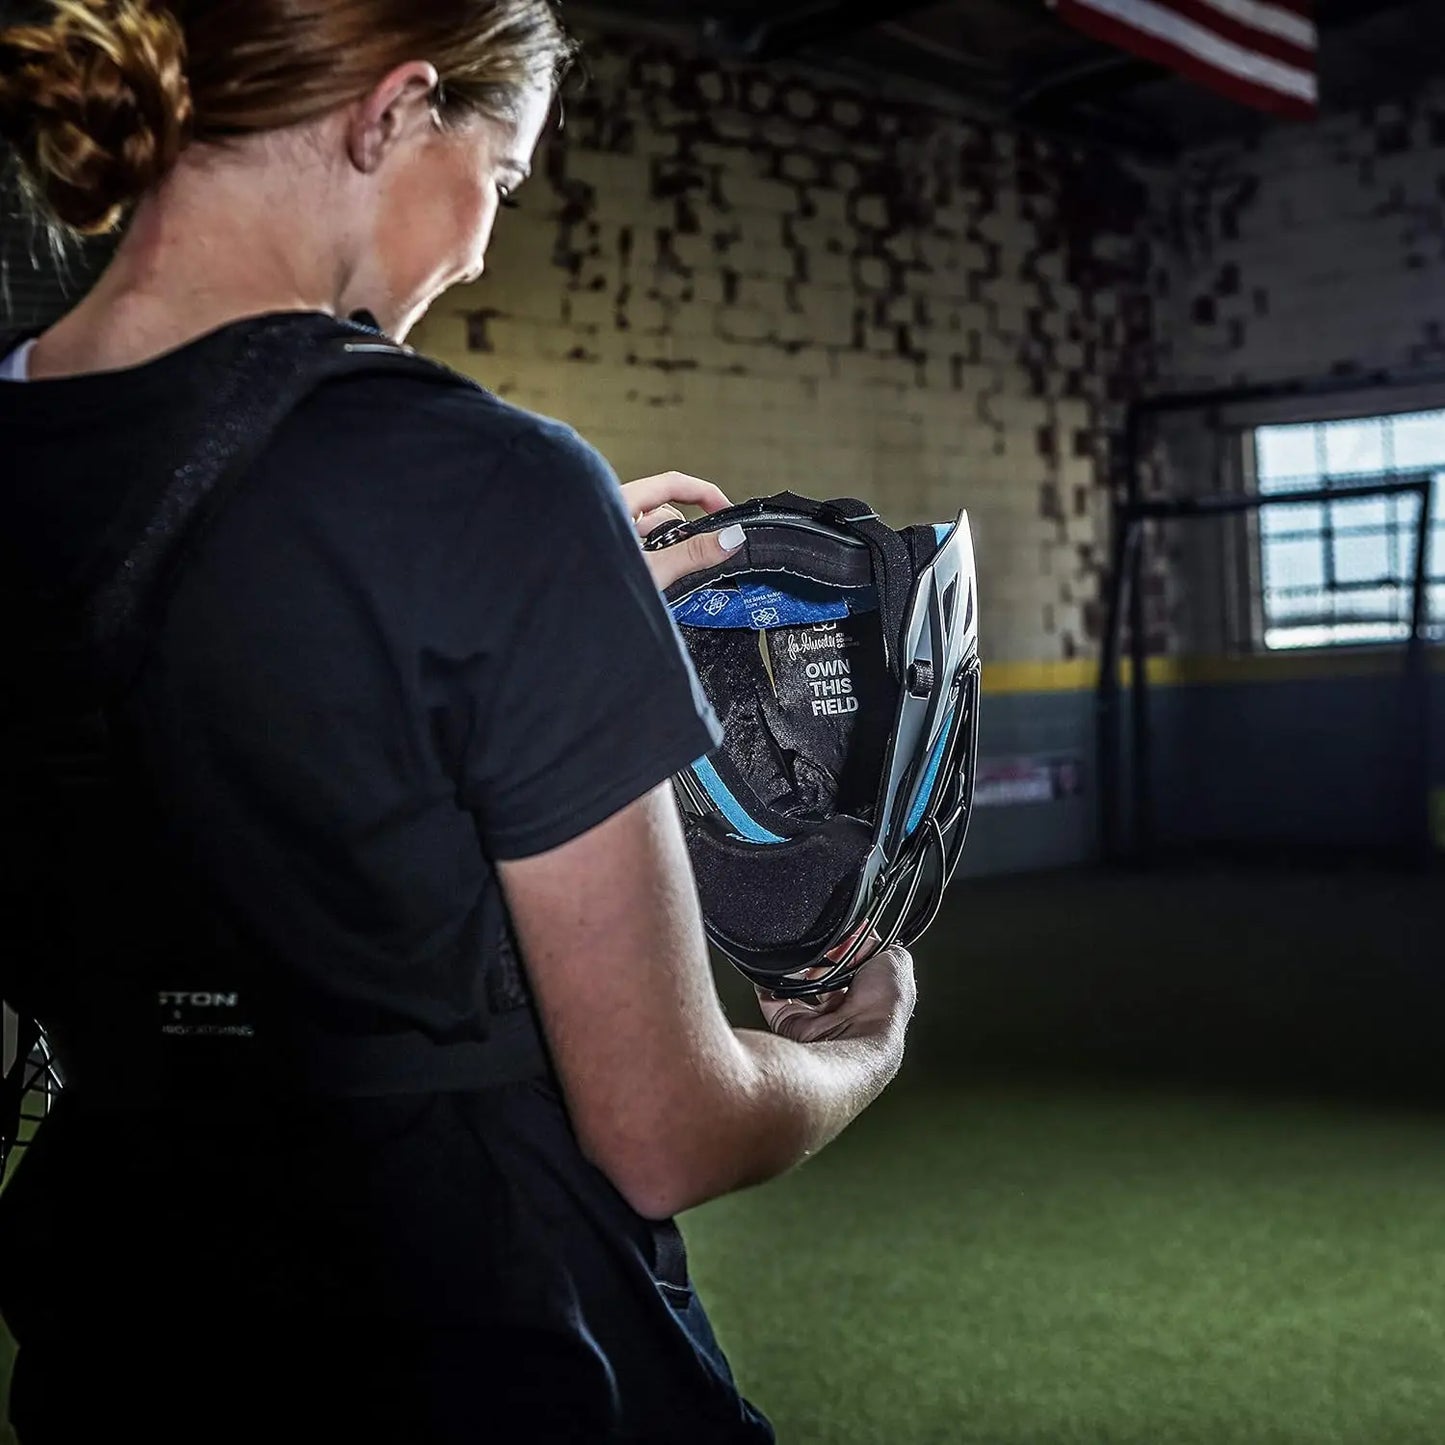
(932, 641)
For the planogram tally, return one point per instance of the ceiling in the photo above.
(1014, 59)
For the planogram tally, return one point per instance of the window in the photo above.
(1341, 573)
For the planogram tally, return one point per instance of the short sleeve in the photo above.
(584, 698)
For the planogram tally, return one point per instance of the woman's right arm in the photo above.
(670, 1101)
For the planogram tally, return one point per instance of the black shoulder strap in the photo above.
(279, 365)
(90, 646)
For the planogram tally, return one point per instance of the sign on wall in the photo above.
(1009, 782)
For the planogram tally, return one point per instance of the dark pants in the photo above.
(421, 1271)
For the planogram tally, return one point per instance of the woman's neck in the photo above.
(185, 267)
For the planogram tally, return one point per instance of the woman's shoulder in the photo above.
(446, 426)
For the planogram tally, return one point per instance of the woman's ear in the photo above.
(388, 111)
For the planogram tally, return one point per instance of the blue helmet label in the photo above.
(761, 607)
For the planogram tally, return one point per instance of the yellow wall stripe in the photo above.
(1082, 674)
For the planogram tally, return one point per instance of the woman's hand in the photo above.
(881, 997)
(878, 1002)
(654, 503)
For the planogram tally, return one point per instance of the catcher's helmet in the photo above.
(842, 659)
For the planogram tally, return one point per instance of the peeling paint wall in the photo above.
(1319, 250)
(774, 284)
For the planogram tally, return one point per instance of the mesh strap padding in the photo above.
(794, 894)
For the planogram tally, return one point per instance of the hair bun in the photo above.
(95, 105)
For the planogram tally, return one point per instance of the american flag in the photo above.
(1261, 52)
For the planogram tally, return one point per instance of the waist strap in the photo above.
(324, 1067)
(411, 1063)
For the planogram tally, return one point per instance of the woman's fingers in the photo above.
(802, 1024)
(655, 501)
(882, 995)
(865, 952)
(649, 493)
(649, 522)
(696, 554)
(796, 1018)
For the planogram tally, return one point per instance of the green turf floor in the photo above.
(1166, 1166)
(1006, 1266)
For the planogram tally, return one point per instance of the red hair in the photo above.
(98, 102)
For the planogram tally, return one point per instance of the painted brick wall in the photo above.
(776, 284)
(1315, 251)
(1318, 250)
(780, 284)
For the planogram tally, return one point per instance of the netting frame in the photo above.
(1125, 774)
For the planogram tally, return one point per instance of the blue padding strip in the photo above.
(763, 605)
(916, 816)
(731, 809)
(941, 531)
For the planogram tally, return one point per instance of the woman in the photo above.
(409, 717)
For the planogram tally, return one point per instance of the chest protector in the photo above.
(100, 914)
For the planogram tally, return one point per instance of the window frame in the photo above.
(1243, 420)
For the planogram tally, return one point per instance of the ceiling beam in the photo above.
(1339, 14)
(767, 34)
(1093, 80)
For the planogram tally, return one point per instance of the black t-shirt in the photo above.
(420, 638)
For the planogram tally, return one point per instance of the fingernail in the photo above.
(731, 538)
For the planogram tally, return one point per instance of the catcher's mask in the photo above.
(842, 659)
